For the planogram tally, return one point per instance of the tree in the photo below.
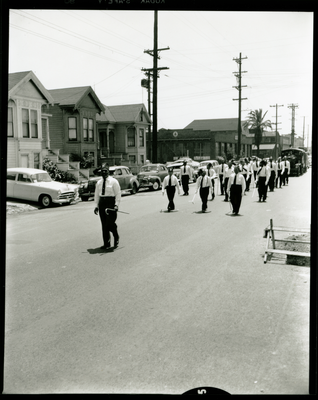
(256, 121)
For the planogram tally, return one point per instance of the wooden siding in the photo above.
(12, 151)
(56, 127)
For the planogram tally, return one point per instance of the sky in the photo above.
(106, 50)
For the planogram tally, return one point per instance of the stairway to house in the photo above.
(63, 163)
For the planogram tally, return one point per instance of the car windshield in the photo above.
(41, 177)
(148, 168)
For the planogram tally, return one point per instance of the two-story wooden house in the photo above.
(122, 134)
(28, 115)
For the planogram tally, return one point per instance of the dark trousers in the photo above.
(262, 188)
(204, 193)
(236, 197)
(221, 183)
(285, 177)
(108, 220)
(271, 182)
(171, 190)
(185, 183)
(279, 178)
(226, 181)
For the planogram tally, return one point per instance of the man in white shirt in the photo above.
(280, 171)
(236, 188)
(262, 179)
(204, 184)
(222, 168)
(273, 174)
(185, 176)
(107, 199)
(170, 183)
(229, 171)
(210, 171)
(286, 171)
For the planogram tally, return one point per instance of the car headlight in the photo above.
(59, 193)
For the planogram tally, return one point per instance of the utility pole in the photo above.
(276, 136)
(155, 76)
(293, 107)
(239, 88)
(146, 83)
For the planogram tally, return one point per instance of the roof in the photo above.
(124, 113)
(73, 96)
(18, 79)
(264, 147)
(222, 124)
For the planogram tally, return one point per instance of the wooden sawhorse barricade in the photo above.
(269, 233)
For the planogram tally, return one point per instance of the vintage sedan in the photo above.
(177, 165)
(215, 165)
(127, 181)
(36, 185)
(152, 176)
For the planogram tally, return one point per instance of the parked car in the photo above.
(203, 164)
(36, 185)
(177, 168)
(152, 176)
(127, 181)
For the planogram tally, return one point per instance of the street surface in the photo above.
(184, 302)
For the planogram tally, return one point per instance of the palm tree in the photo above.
(255, 121)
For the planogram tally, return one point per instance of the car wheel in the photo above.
(156, 185)
(84, 198)
(134, 189)
(45, 200)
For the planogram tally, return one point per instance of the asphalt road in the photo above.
(184, 302)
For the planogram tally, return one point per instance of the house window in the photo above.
(132, 159)
(36, 160)
(91, 130)
(29, 123)
(10, 122)
(85, 129)
(34, 124)
(141, 138)
(72, 129)
(25, 123)
(131, 137)
(142, 159)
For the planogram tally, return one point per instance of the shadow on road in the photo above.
(98, 250)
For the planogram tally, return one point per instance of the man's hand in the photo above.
(96, 210)
(116, 208)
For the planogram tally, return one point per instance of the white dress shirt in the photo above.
(112, 189)
(206, 182)
(174, 182)
(264, 172)
(240, 180)
(188, 171)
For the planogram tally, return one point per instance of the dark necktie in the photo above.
(170, 181)
(184, 169)
(234, 183)
(103, 189)
(202, 181)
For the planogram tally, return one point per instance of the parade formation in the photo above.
(232, 179)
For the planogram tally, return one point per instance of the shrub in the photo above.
(56, 174)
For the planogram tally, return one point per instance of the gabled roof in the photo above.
(72, 97)
(124, 113)
(17, 79)
(128, 112)
(222, 124)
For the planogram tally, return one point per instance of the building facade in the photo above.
(28, 116)
(204, 140)
(122, 133)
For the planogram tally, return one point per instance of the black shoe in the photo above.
(107, 246)
(116, 242)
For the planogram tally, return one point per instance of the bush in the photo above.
(56, 174)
